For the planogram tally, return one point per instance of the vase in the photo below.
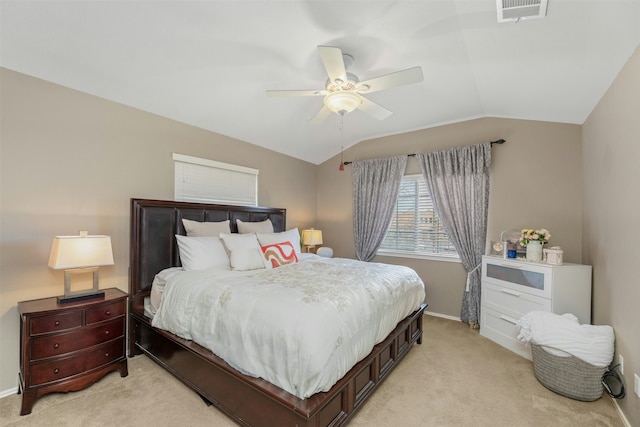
(534, 251)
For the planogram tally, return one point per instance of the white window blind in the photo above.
(209, 181)
(415, 228)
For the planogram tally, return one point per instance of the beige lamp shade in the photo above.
(81, 251)
(311, 237)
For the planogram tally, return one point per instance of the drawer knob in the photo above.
(107, 332)
(56, 345)
(106, 355)
(108, 313)
(57, 323)
(55, 371)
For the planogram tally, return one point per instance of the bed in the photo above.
(248, 400)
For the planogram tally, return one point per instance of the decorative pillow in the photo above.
(292, 236)
(205, 229)
(201, 253)
(255, 227)
(279, 254)
(244, 251)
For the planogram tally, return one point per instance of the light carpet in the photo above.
(455, 378)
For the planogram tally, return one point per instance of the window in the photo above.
(415, 228)
(208, 181)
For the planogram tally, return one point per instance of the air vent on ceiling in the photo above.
(515, 10)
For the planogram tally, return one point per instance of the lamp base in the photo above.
(73, 296)
(79, 297)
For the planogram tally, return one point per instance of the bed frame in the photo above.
(248, 401)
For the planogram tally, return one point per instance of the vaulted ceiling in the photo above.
(209, 63)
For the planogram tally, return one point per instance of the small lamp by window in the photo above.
(80, 254)
(311, 238)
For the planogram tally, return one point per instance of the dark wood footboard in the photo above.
(256, 402)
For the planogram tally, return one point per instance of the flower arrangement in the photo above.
(529, 234)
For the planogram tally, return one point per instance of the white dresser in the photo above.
(512, 288)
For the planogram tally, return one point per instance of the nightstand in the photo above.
(67, 347)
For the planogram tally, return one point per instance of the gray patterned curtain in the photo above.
(375, 190)
(458, 180)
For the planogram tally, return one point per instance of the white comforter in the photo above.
(300, 326)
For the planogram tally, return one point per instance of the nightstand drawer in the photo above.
(55, 323)
(105, 312)
(54, 345)
(105, 354)
(512, 303)
(56, 370)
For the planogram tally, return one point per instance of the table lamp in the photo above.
(311, 238)
(80, 254)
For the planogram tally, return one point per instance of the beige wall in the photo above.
(71, 161)
(536, 181)
(611, 145)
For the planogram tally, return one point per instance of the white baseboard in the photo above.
(8, 392)
(620, 413)
(444, 316)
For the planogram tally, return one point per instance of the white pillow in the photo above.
(205, 229)
(255, 227)
(292, 236)
(202, 253)
(244, 251)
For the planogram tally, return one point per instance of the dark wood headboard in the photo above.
(154, 224)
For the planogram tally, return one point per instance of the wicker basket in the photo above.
(568, 376)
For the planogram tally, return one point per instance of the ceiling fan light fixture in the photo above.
(342, 101)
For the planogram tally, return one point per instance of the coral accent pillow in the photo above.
(278, 254)
(292, 235)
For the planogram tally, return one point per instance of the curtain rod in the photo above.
(499, 141)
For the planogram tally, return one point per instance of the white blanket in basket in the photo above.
(592, 343)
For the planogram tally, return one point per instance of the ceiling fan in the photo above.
(343, 90)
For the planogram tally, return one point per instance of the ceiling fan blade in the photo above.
(399, 78)
(334, 64)
(375, 110)
(321, 116)
(296, 92)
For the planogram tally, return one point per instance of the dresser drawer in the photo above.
(55, 323)
(511, 302)
(54, 345)
(501, 328)
(526, 277)
(105, 354)
(105, 312)
(43, 373)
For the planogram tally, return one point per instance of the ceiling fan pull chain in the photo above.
(341, 167)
